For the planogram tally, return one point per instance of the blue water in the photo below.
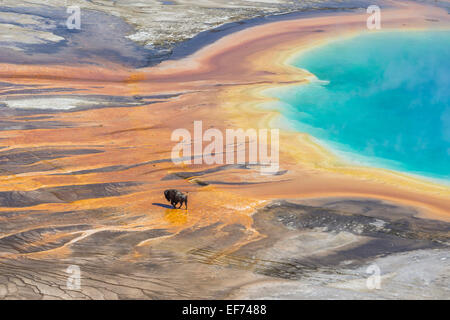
(383, 100)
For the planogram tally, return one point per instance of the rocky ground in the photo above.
(137, 33)
(322, 248)
(331, 247)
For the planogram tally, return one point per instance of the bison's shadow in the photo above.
(162, 205)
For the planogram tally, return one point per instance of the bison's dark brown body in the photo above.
(175, 197)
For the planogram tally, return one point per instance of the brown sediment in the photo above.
(102, 149)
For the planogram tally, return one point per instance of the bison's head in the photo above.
(167, 195)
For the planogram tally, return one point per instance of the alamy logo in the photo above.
(74, 20)
(374, 20)
(74, 278)
(236, 142)
(374, 281)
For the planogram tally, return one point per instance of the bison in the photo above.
(175, 197)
